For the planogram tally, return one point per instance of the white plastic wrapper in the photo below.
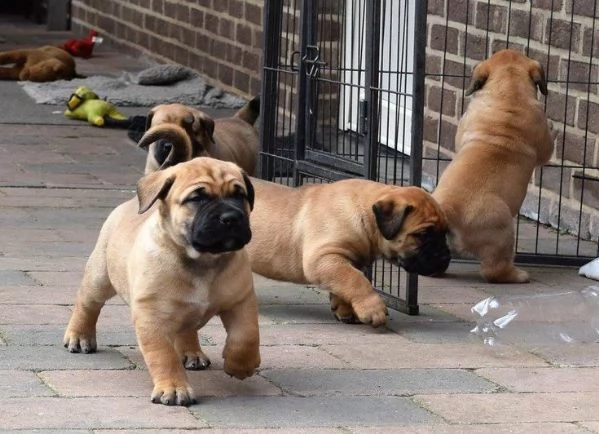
(536, 320)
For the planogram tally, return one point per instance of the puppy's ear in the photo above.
(207, 124)
(149, 120)
(390, 217)
(249, 189)
(537, 75)
(480, 74)
(152, 187)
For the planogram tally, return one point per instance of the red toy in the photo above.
(81, 47)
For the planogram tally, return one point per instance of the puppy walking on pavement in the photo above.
(325, 234)
(196, 134)
(500, 140)
(176, 256)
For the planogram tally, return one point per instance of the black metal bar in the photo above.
(420, 15)
(304, 91)
(373, 48)
(271, 40)
(351, 167)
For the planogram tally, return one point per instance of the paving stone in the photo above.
(138, 383)
(284, 356)
(543, 379)
(298, 314)
(49, 358)
(436, 332)
(52, 334)
(236, 431)
(31, 262)
(57, 278)
(289, 294)
(92, 413)
(307, 382)
(571, 355)
(459, 428)
(37, 294)
(15, 277)
(290, 411)
(513, 407)
(16, 383)
(392, 356)
(34, 314)
(318, 334)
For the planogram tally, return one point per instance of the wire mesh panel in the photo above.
(338, 92)
(375, 89)
(559, 221)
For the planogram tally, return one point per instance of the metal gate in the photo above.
(352, 88)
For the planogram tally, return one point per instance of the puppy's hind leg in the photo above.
(496, 251)
(188, 347)
(93, 292)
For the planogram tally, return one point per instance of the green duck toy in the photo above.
(84, 104)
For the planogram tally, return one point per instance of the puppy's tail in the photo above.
(173, 145)
(250, 111)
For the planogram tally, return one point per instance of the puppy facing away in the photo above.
(501, 138)
(41, 64)
(325, 234)
(176, 255)
(197, 134)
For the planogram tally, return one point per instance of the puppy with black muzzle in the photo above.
(500, 140)
(325, 234)
(188, 132)
(176, 256)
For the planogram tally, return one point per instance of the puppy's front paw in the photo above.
(242, 367)
(80, 342)
(173, 393)
(371, 310)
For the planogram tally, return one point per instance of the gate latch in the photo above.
(312, 59)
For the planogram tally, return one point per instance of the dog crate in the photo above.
(375, 89)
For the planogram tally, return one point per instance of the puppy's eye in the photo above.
(199, 196)
(239, 192)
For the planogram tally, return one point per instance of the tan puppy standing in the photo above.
(177, 259)
(41, 64)
(197, 134)
(325, 234)
(501, 138)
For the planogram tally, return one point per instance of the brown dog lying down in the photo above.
(46, 63)
(500, 139)
(197, 134)
(177, 259)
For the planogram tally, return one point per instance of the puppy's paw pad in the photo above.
(241, 370)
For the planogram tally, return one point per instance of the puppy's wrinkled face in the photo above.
(198, 126)
(413, 231)
(204, 205)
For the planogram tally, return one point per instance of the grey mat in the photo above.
(123, 92)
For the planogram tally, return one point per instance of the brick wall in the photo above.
(221, 39)
(564, 36)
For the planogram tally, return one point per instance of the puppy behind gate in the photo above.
(176, 132)
(176, 256)
(501, 138)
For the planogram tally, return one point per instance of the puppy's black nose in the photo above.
(230, 217)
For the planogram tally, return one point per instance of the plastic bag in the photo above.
(534, 320)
